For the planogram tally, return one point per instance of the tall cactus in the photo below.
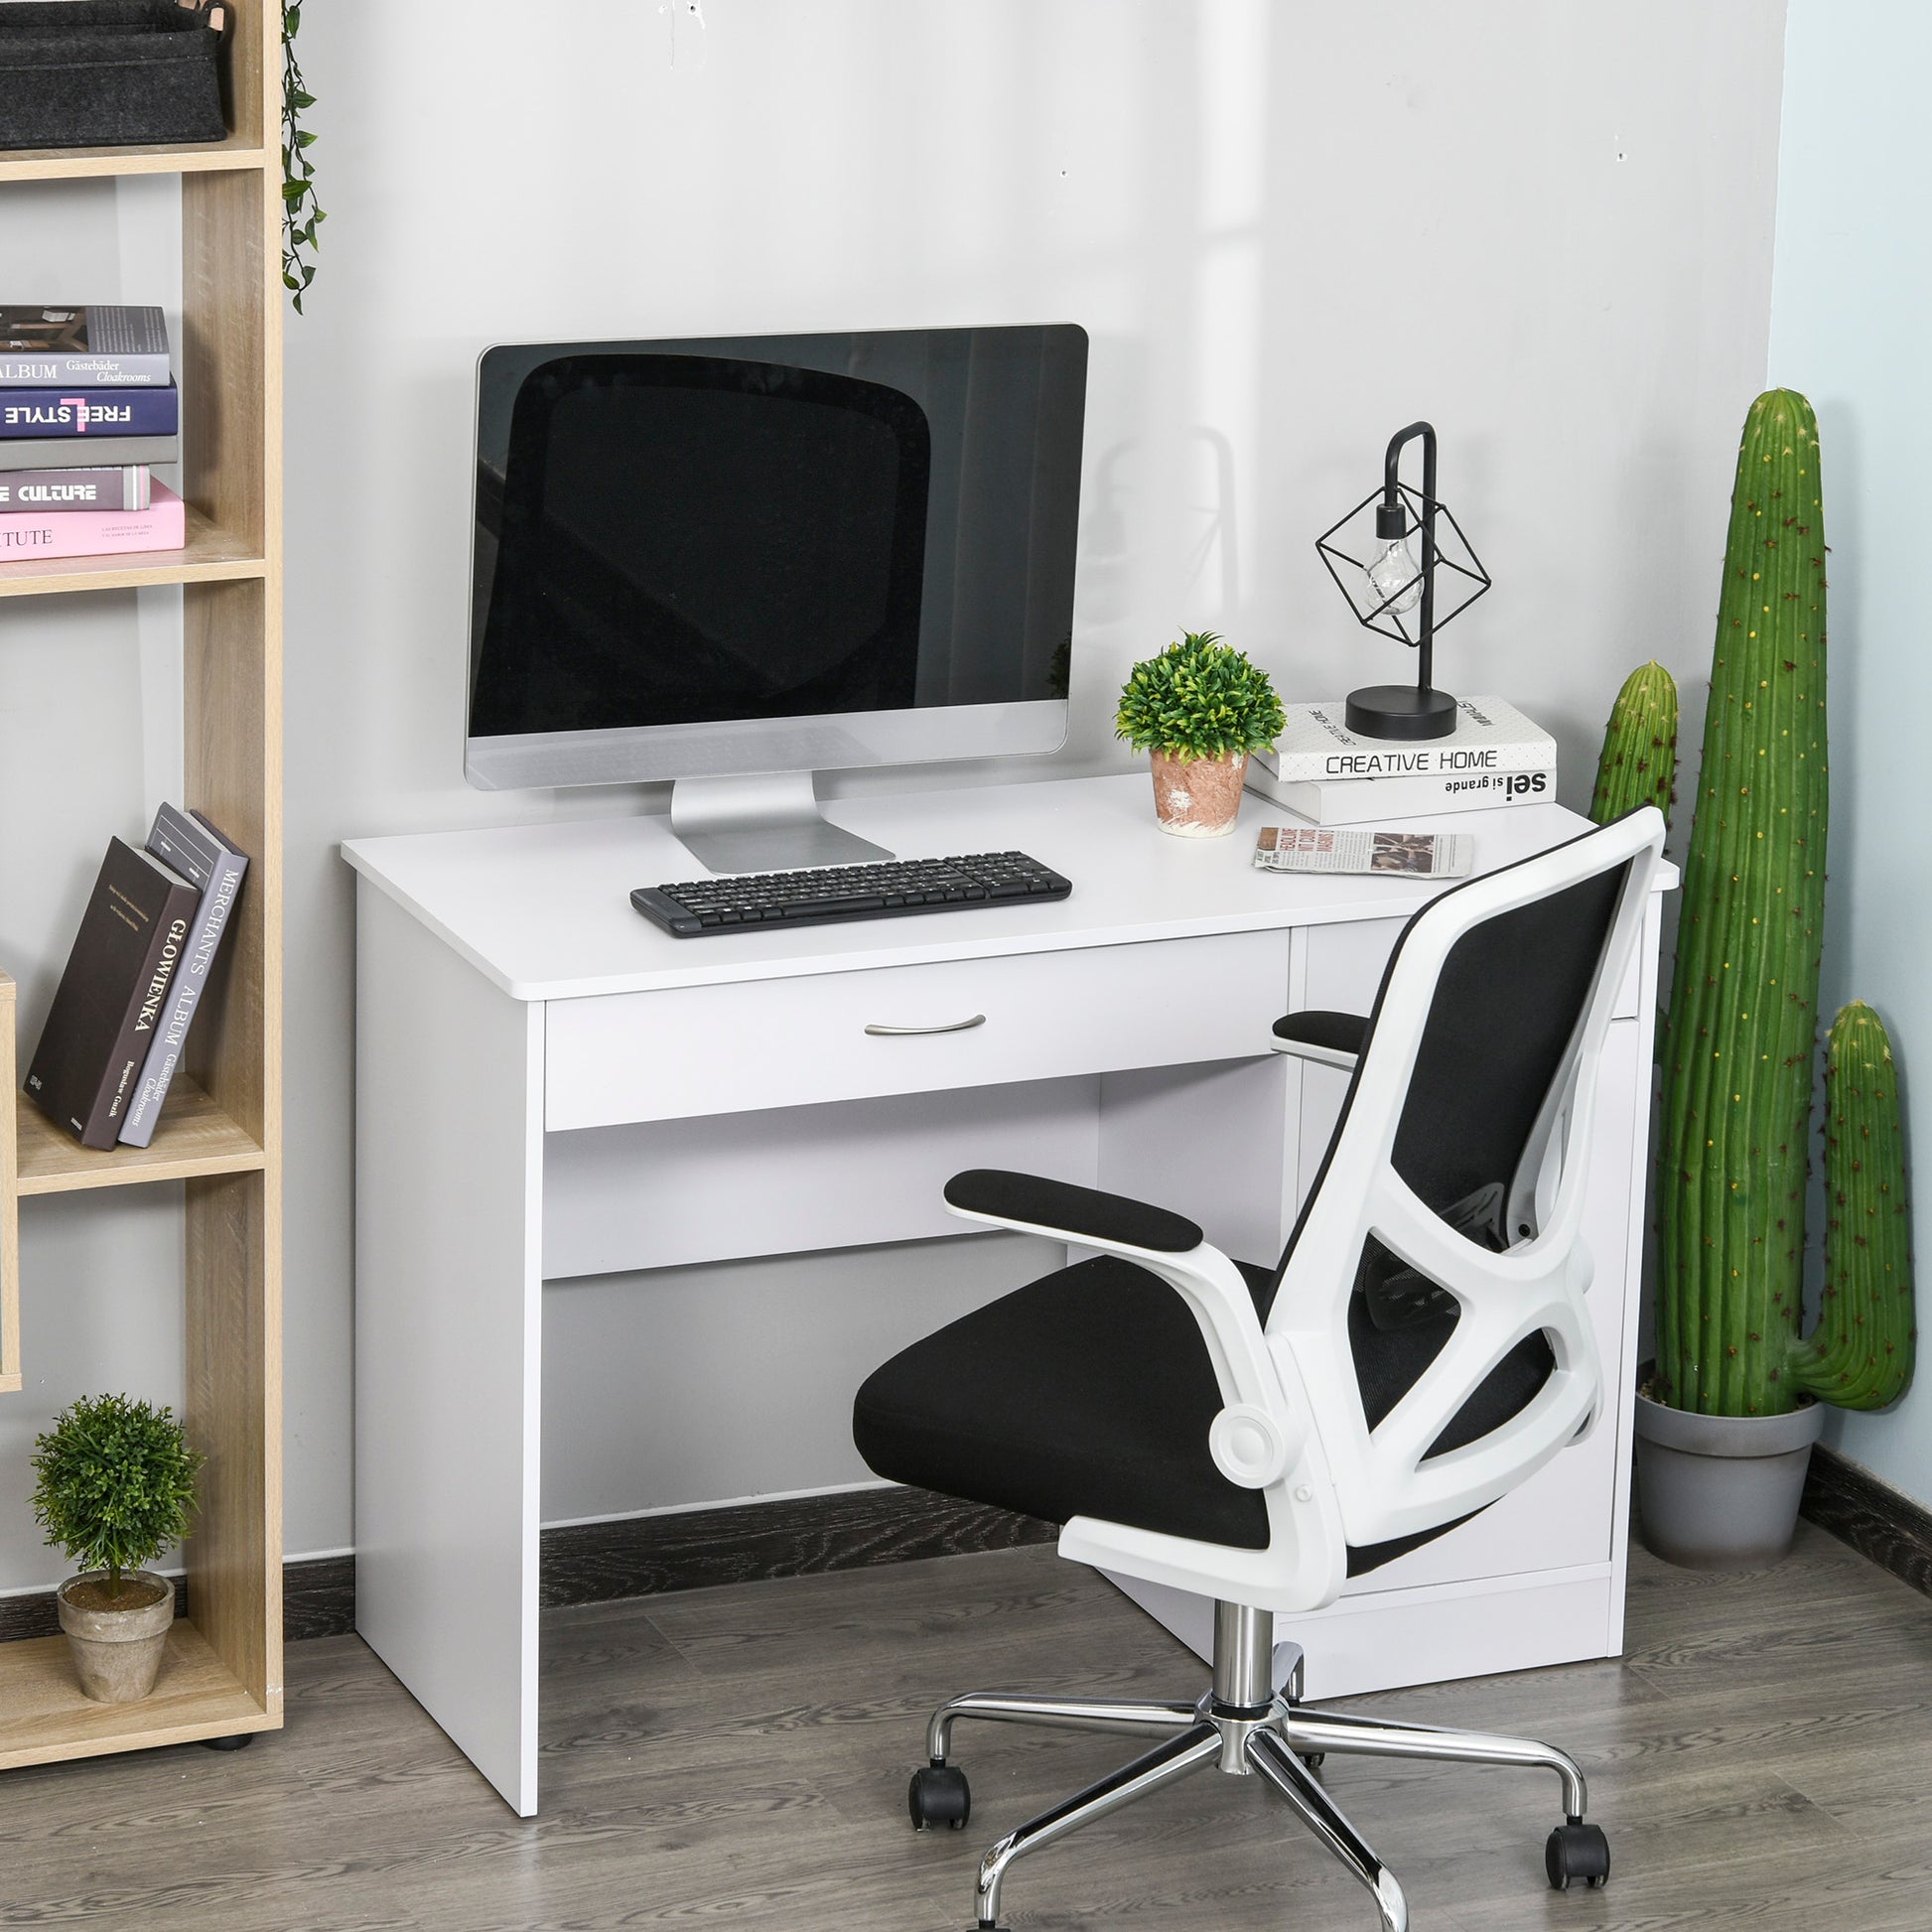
(1739, 1040)
(1859, 1355)
(1639, 763)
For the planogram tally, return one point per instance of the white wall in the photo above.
(1851, 298)
(1287, 229)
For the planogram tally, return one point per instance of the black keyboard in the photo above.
(882, 891)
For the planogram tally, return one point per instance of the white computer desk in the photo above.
(547, 1086)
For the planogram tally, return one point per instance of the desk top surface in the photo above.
(544, 911)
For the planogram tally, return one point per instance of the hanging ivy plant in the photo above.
(302, 214)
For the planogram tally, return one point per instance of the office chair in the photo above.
(1261, 1435)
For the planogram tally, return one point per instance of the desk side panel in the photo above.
(449, 1173)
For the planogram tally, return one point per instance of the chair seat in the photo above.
(1047, 1402)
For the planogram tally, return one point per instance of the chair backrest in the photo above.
(1432, 1293)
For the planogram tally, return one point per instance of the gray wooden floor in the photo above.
(737, 1757)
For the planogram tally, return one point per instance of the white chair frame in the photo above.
(1293, 1422)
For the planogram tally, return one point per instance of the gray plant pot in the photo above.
(1721, 1493)
(117, 1653)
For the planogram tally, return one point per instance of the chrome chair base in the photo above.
(1251, 1723)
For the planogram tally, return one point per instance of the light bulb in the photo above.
(1395, 564)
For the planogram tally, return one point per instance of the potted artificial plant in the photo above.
(1727, 1420)
(116, 1488)
(1199, 709)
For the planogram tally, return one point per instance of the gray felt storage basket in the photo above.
(109, 73)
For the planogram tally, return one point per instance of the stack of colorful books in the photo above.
(87, 405)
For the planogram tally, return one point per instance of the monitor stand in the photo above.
(767, 823)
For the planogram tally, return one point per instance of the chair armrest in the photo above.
(1259, 1433)
(1328, 1038)
(1083, 1213)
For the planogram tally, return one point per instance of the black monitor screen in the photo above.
(777, 527)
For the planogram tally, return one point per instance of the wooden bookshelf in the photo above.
(220, 1134)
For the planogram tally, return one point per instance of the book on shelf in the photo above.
(1356, 801)
(59, 451)
(1490, 734)
(115, 486)
(193, 847)
(71, 343)
(106, 1011)
(46, 534)
(47, 414)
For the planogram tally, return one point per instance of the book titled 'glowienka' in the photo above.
(110, 1002)
(194, 849)
(78, 343)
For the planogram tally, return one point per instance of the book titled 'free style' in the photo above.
(26, 413)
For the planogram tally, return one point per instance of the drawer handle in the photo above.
(951, 1027)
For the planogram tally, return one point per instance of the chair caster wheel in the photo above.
(239, 1743)
(1577, 1851)
(938, 1795)
(1312, 1761)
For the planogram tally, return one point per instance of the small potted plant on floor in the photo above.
(116, 1489)
(1200, 708)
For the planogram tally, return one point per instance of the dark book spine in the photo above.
(125, 486)
(143, 1021)
(80, 413)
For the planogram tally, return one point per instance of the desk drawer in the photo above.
(726, 1050)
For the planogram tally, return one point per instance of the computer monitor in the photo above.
(733, 562)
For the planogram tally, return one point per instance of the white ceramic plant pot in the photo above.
(1198, 798)
(117, 1652)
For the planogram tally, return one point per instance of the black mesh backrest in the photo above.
(1507, 1003)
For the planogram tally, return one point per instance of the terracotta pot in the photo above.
(1198, 798)
(117, 1652)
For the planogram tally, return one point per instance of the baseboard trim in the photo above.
(1885, 1524)
(648, 1556)
(804, 1536)
(856, 1529)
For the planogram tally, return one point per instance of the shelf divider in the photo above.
(9, 1205)
(211, 555)
(194, 1138)
(44, 1717)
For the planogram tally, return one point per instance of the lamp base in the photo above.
(1399, 711)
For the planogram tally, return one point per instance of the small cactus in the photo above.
(1859, 1355)
(1638, 764)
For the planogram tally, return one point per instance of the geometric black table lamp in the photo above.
(1388, 580)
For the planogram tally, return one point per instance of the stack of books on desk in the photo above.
(1322, 771)
(87, 405)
